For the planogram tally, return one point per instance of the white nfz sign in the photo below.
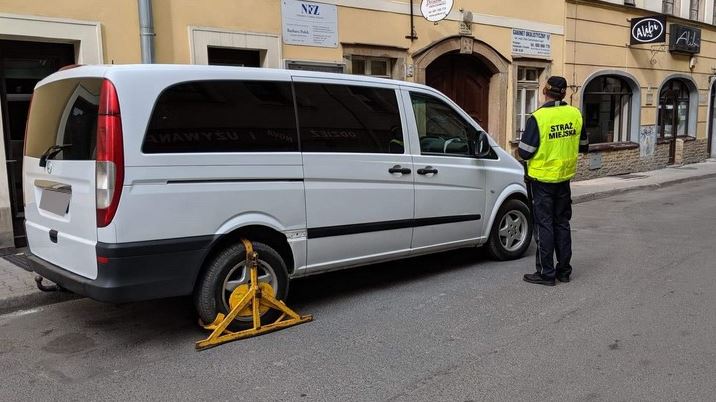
(309, 24)
(531, 43)
(435, 10)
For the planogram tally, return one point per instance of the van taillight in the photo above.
(109, 173)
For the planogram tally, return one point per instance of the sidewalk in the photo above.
(18, 289)
(587, 190)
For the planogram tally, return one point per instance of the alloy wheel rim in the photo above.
(513, 230)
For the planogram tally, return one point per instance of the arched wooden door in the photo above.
(464, 80)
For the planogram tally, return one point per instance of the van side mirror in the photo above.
(482, 148)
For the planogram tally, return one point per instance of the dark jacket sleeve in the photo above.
(583, 141)
(530, 139)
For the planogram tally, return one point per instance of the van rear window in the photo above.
(64, 113)
(223, 116)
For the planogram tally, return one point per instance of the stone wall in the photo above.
(695, 151)
(629, 160)
(623, 161)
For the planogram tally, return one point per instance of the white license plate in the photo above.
(57, 202)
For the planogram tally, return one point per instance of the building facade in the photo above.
(645, 107)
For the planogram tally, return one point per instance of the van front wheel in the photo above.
(228, 270)
(511, 231)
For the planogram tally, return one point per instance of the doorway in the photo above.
(22, 65)
(674, 104)
(465, 80)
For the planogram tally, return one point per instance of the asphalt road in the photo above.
(638, 322)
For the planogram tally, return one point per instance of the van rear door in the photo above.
(59, 174)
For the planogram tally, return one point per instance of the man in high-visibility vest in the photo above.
(553, 136)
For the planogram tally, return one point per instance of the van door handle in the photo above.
(427, 170)
(399, 169)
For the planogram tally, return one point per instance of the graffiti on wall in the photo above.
(647, 141)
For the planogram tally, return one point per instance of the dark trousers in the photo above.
(552, 210)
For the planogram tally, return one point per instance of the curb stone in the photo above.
(608, 193)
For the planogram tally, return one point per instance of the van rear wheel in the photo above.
(511, 232)
(228, 270)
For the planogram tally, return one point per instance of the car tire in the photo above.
(511, 231)
(227, 269)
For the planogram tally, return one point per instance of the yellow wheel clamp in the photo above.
(252, 299)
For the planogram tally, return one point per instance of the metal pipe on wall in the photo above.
(146, 31)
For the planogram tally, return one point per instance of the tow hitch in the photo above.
(43, 287)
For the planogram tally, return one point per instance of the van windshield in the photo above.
(64, 114)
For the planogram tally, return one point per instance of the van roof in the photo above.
(107, 70)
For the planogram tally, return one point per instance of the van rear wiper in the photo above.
(52, 152)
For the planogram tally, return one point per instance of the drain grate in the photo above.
(20, 260)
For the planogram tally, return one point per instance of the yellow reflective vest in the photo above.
(556, 158)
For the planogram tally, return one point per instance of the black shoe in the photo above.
(537, 278)
(563, 278)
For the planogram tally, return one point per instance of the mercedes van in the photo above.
(139, 180)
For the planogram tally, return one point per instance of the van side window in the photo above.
(441, 129)
(223, 116)
(345, 118)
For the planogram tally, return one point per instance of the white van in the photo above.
(140, 180)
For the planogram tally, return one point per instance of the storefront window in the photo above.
(607, 105)
(673, 109)
(527, 97)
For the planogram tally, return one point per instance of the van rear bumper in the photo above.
(136, 271)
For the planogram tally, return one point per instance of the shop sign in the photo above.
(435, 10)
(684, 39)
(648, 30)
(309, 24)
(531, 43)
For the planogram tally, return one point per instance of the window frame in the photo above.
(675, 102)
(668, 7)
(616, 102)
(521, 88)
(368, 60)
(694, 9)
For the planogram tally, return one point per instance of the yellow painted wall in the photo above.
(173, 17)
(119, 20)
(598, 37)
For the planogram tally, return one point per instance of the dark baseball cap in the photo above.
(557, 85)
